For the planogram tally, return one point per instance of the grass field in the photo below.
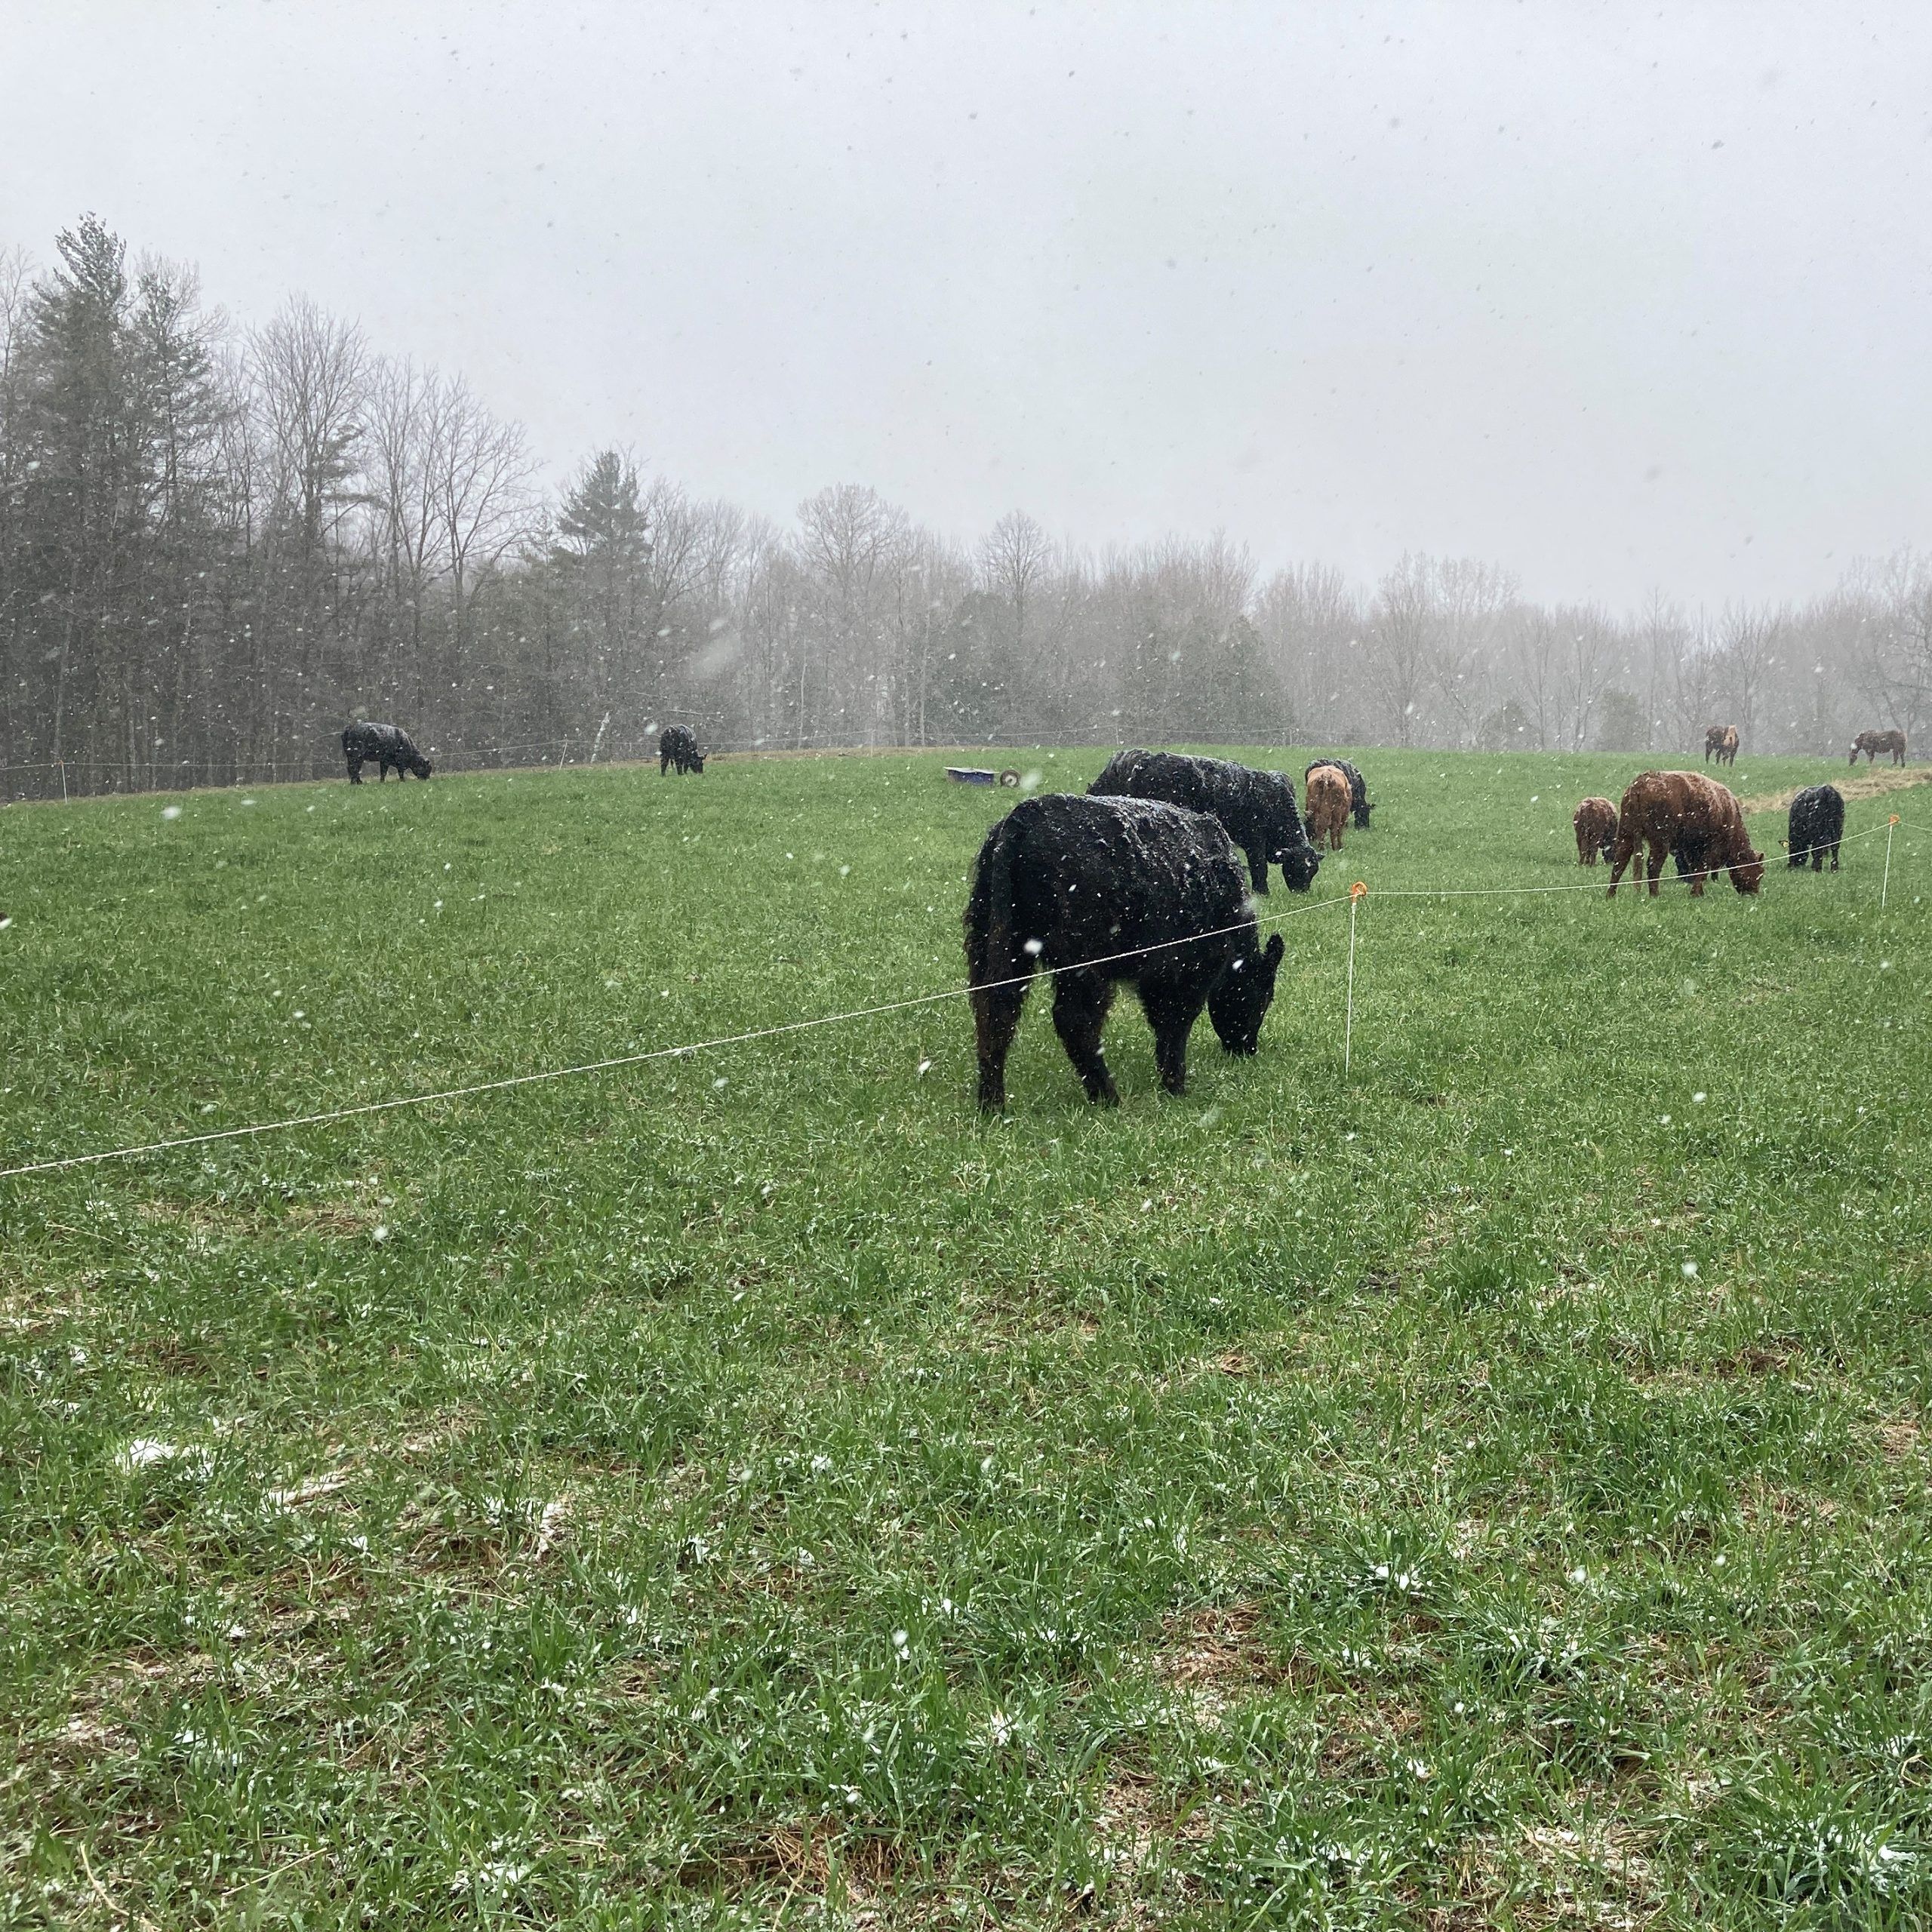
(746, 1488)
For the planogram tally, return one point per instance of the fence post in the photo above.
(1357, 893)
(1885, 883)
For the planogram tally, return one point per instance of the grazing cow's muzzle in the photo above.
(1241, 998)
(1299, 865)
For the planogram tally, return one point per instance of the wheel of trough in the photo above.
(1009, 777)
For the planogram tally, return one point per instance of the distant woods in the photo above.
(219, 544)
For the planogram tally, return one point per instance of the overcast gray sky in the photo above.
(1616, 297)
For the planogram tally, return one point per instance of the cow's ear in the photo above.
(1272, 952)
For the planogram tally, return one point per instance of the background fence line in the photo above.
(56, 778)
(69, 778)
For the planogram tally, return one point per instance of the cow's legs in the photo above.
(995, 1020)
(1172, 1015)
(1620, 858)
(356, 771)
(1258, 871)
(1660, 851)
(1080, 1011)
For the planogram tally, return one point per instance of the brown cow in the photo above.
(1872, 742)
(1722, 738)
(1330, 797)
(1595, 821)
(1692, 818)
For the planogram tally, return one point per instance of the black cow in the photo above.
(388, 745)
(1256, 809)
(677, 746)
(1097, 891)
(1357, 787)
(1816, 825)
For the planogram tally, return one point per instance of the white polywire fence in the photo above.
(1351, 899)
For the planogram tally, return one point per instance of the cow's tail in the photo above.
(993, 947)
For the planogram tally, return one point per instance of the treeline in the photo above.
(220, 544)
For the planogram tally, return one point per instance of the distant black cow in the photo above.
(1816, 825)
(389, 745)
(676, 746)
(1146, 892)
(1256, 809)
(1357, 787)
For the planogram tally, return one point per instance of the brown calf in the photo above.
(1595, 821)
(1872, 742)
(1692, 819)
(1722, 738)
(1330, 797)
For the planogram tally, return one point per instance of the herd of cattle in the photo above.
(389, 748)
(1146, 880)
(1692, 819)
(1140, 882)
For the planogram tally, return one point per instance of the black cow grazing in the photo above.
(676, 746)
(1816, 825)
(1097, 891)
(1357, 787)
(388, 745)
(1256, 809)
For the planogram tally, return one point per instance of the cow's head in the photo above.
(1287, 842)
(697, 761)
(1747, 870)
(1299, 863)
(1241, 998)
(421, 766)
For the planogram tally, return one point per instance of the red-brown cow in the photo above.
(1691, 818)
(1595, 821)
(1330, 797)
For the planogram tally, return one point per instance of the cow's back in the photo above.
(1673, 806)
(1255, 808)
(1095, 876)
(1171, 776)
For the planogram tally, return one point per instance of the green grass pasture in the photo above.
(747, 1488)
